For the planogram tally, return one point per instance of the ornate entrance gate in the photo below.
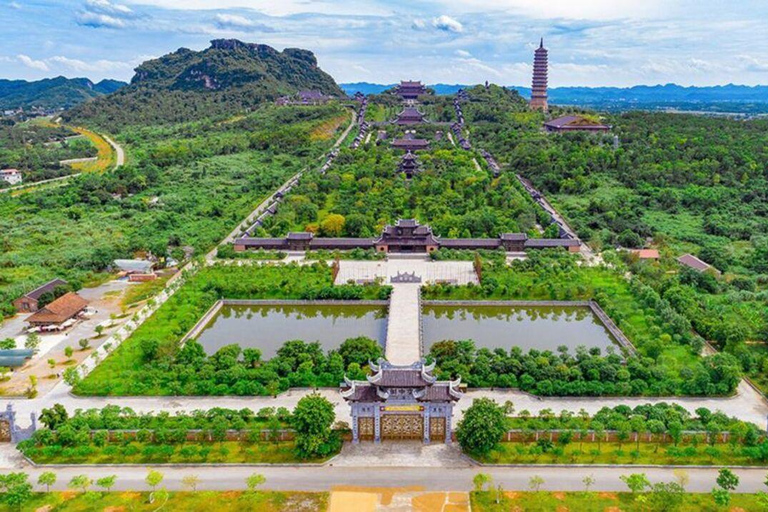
(366, 429)
(437, 429)
(402, 426)
(5, 431)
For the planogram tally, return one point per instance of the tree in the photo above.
(480, 480)
(682, 477)
(99, 330)
(588, 481)
(333, 225)
(254, 481)
(47, 479)
(52, 363)
(190, 482)
(637, 482)
(665, 496)
(81, 482)
(154, 478)
(84, 343)
(721, 497)
(15, 489)
(535, 483)
(312, 420)
(68, 351)
(482, 427)
(727, 479)
(107, 482)
(33, 341)
(72, 376)
(54, 417)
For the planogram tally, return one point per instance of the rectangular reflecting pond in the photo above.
(268, 327)
(529, 327)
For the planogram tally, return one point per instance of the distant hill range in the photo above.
(230, 76)
(52, 93)
(640, 96)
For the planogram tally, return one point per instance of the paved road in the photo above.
(403, 338)
(431, 479)
(119, 153)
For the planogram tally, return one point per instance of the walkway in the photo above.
(403, 326)
(402, 479)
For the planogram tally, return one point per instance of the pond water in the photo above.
(539, 327)
(269, 327)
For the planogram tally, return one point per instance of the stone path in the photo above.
(400, 454)
(403, 325)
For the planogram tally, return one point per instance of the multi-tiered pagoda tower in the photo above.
(539, 89)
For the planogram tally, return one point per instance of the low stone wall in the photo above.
(511, 303)
(608, 436)
(617, 334)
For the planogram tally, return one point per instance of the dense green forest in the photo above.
(227, 78)
(679, 183)
(363, 192)
(186, 186)
(37, 147)
(52, 93)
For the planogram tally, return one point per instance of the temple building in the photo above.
(401, 402)
(409, 115)
(405, 236)
(411, 90)
(575, 124)
(539, 87)
(409, 165)
(410, 144)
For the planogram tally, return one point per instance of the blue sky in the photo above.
(591, 42)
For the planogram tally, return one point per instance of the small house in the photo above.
(59, 313)
(29, 303)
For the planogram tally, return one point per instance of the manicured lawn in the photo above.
(203, 501)
(600, 502)
(232, 452)
(613, 453)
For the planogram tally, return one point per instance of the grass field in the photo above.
(227, 452)
(626, 453)
(203, 501)
(603, 502)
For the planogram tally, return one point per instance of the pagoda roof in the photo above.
(417, 376)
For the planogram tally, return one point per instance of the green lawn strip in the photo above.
(625, 453)
(226, 452)
(485, 501)
(201, 501)
(181, 312)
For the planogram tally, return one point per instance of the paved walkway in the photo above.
(403, 325)
(401, 479)
(391, 454)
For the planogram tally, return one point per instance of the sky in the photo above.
(591, 42)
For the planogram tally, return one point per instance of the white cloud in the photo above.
(31, 63)
(447, 24)
(418, 24)
(106, 7)
(96, 20)
(232, 21)
(278, 8)
(14, 5)
(462, 53)
(82, 66)
(570, 9)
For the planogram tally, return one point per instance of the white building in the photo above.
(12, 176)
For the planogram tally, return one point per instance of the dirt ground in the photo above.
(387, 499)
(106, 299)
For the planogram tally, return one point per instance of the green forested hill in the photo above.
(56, 92)
(228, 77)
